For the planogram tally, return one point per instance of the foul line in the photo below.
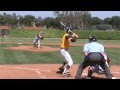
(116, 72)
(35, 70)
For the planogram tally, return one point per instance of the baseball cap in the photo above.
(92, 39)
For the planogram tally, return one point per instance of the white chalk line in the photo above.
(39, 73)
(35, 70)
(28, 68)
(116, 72)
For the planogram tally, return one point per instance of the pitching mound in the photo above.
(33, 49)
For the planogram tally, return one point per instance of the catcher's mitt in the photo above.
(42, 38)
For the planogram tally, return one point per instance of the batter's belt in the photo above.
(63, 48)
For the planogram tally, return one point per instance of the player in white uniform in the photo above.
(37, 39)
(66, 39)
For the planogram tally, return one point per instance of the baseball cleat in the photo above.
(61, 68)
(66, 75)
(59, 72)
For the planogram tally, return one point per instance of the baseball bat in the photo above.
(65, 26)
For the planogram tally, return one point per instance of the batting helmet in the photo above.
(69, 31)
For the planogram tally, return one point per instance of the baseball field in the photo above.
(20, 60)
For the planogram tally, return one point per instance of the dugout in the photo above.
(4, 30)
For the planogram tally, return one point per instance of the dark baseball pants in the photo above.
(93, 59)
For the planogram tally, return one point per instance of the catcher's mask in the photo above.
(92, 39)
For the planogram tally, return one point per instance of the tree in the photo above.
(28, 19)
(49, 22)
(96, 20)
(8, 19)
(2, 21)
(14, 15)
(74, 19)
(107, 20)
(115, 22)
(87, 18)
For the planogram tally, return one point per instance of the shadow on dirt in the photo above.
(93, 77)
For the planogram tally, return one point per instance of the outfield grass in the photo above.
(54, 40)
(53, 33)
(25, 57)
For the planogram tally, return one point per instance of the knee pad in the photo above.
(64, 63)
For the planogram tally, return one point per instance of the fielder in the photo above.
(37, 39)
(68, 37)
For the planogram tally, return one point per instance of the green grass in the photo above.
(53, 33)
(25, 57)
(54, 40)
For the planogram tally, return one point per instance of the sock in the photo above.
(64, 63)
(66, 69)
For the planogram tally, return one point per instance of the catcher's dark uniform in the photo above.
(94, 57)
(98, 69)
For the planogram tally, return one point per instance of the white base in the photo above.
(114, 78)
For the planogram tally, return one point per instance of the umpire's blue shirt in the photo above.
(93, 47)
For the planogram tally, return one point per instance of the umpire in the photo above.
(93, 52)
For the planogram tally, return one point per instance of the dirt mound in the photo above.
(112, 46)
(33, 49)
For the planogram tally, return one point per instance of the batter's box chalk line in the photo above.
(116, 72)
(35, 70)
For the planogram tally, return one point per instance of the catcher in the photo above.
(37, 39)
(68, 37)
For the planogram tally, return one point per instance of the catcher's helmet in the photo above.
(92, 39)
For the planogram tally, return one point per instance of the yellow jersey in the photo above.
(65, 42)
